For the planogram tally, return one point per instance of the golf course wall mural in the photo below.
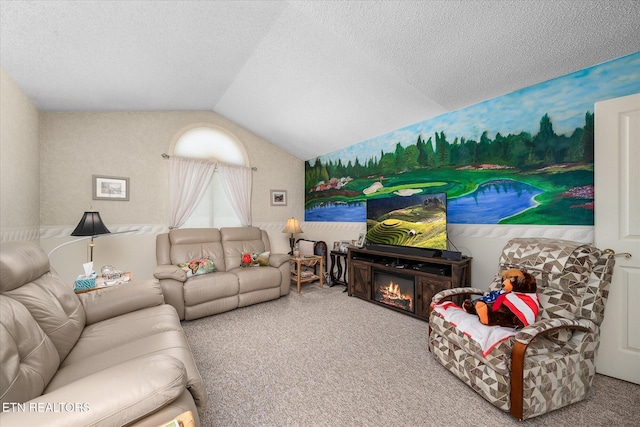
(522, 158)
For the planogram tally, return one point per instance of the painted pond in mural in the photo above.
(491, 202)
(488, 204)
(337, 212)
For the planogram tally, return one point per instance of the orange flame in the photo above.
(394, 293)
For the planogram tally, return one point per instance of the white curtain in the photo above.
(236, 181)
(188, 179)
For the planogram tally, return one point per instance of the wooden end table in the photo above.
(309, 261)
(183, 420)
(339, 260)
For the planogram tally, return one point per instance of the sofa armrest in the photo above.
(115, 396)
(168, 271)
(276, 260)
(121, 299)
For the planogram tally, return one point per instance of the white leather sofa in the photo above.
(232, 285)
(111, 357)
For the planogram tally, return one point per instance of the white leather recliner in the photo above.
(110, 357)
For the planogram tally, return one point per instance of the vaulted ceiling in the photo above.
(309, 76)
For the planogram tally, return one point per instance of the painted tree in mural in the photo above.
(423, 159)
(521, 150)
(560, 166)
(587, 138)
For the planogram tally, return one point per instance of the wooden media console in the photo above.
(403, 282)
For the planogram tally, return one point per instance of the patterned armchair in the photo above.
(550, 363)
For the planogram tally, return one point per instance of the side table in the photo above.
(339, 261)
(183, 420)
(299, 276)
(102, 283)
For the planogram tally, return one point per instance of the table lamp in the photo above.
(90, 225)
(292, 227)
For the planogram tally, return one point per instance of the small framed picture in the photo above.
(110, 188)
(344, 245)
(361, 240)
(278, 197)
(336, 246)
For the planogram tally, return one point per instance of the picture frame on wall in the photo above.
(110, 188)
(278, 197)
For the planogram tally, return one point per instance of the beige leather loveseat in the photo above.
(112, 357)
(232, 285)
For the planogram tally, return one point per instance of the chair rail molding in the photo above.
(584, 234)
(481, 231)
(54, 232)
(20, 234)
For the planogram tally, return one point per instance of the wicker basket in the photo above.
(83, 282)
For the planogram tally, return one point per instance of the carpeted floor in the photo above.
(322, 358)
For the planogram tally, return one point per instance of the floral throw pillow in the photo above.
(196, 267)
(258, 259)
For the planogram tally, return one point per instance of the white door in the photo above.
(617, 226)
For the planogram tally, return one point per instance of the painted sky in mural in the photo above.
(565, 99)
(549, 183)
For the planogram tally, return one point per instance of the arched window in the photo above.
(206, 142)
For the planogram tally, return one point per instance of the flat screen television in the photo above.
(415, 225)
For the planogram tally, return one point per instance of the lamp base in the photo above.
(292, 243)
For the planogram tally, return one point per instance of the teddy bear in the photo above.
(515, 305)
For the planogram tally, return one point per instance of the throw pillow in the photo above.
(258, 259)
(196, 267)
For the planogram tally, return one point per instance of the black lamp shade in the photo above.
(90, 225)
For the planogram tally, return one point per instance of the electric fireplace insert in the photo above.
(395, 290)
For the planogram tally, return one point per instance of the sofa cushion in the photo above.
(115, 301)
(20, 263)
(116, 396)
(118, 331)
(172, 343)
(28, 357)
(196, 243)
(253, 279)
(25, 277)
(168, 339)
(210, 287)
(238, 240)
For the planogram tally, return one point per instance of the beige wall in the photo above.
(75, 146)
(19, 163)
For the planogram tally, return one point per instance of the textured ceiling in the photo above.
(309, 76)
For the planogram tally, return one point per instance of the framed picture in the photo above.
(110, 188)
(344, 245)
(278, 197)
(361, 240)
